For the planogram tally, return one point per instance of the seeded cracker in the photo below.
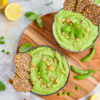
(21, 85)
(21, 77)
(82, 4)
(92, 12)
(70, 5)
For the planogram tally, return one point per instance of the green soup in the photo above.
(48, 70)
(73, 31)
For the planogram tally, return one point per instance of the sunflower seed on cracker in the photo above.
(82, 4)
(92, 12)
(70, 5)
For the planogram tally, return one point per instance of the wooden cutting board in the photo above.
(37, 36)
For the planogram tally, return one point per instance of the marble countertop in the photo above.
(12, 32)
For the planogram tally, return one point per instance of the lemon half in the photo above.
(94, 97)
(3, 3)
(13, 11)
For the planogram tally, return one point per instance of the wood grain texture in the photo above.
(33, 34)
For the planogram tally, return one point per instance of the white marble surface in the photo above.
(12, 32)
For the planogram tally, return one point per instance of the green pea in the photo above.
(2, 37)
(79, 71)
(2, 42)
(70, 93)
(7, 52)
(64, 93)
(87, 58)
(77, 87)
(3, 50)
(59, 94)
(81, 77)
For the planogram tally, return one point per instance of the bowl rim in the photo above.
(71, 50)
(66, 62)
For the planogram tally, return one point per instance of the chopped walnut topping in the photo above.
(43, 84)
(48, 87)
(56, 81)
(54, 60)
(33, 67)
(48, 63)
(63, 20)
(87, 29)
(50, 68)
(67, 20)
(63, 72)
(77, 39)
(51, 78)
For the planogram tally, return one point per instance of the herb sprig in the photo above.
(35, 17)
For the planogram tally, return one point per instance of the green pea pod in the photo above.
(79, 71)
(87, 58)
(81, 77)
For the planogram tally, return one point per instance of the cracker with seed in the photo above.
(70, 5)
(82, 4)
(92, 12)
(21, 77)
(21, 85)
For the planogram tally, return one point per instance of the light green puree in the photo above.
(48, 71)
(73, 31)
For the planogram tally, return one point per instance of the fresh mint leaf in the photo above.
(34, 17)
(40, 22)
(25, 47)
(2, 86)
(29, 14)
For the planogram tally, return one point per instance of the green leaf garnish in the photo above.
(25, 47)
(2, 86)
(39, 21)
(35, 17)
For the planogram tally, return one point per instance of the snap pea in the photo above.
(79, 71)
(87, 58)
(81, 77)
(2, 42)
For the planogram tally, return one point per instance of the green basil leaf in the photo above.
(2, 86)
(25, 47)
(29, 14)
(32, 17)
(40, 22)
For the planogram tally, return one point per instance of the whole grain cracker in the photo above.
(70, 5)
(82, 4)
(92, 12)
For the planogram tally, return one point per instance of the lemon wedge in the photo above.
(94, 97)
(13, 11)
(3, 3)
